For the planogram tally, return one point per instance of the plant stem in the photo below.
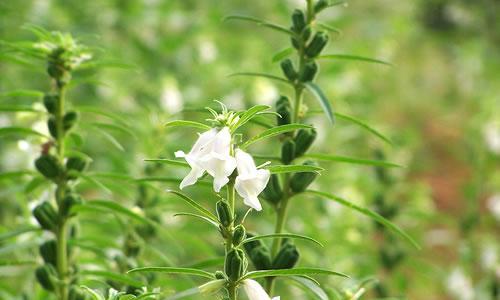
(232, 291)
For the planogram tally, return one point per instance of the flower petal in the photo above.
(255, 291)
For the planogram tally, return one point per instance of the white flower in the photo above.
(250, 181)
(255, 291)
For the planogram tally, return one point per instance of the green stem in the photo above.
(232, 291)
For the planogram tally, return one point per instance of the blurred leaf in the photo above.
(211, 262)
(18, 231)
(365, 126)
(277, 130)
(168, 162)
(279, 169)
(114, 127)
(95, 295)
(352, 160)
(323, 101)
(210, 221)
(195, 205)
(111, 139)
(97, 111)
(309, 285)
(255, 74)
(249, 114)
(282, 54)
(95, 182)
(290, 272)
(354, 57)
(330, 28)
(15, 174)
(185, 123)
(21, 131)
(282, 235)
(260, 23)
(117, 208)
(23, 93)
(171, 270)
(18, 108)
(113, 276)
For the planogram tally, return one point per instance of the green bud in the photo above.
(68, 202)
(224, 213)
(273, 192)
(309, 72)
(45, 276)
(46, 216)
(320, 5)
(49, 166)
(317, 44)
(288, 70)
(69, 120)
(48, 251)
(251, 245)
(55, 70)
(298, 20)
(220, 275)
(287, 257)
(239, 235)
(261, 258)
(284, 108)
(51, 125)
(306, 34)
(295, 42)
(236, 264)
(50, 103)
(76, 293)
(76, 164)
(288, 151)
(300, 181)
(303, 140)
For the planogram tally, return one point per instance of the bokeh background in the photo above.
(439, 104)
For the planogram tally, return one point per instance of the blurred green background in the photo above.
(439, 103)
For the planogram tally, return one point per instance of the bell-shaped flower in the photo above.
(200, 148)
(250, 181)
(255, 291)
(217, 159)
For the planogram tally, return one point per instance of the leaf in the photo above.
(112, 276)
(15, 174)
(365, 126)
(375, 216)
(168, 161)
(95, 295)
(259, 22)
(323, 101)
(95, 182)
(18, 108)
(117, 208)
(22, 93)
(282, 235)
(184, 294)
(199, 217)
(114, 127)
(94, 110)
(290, 272)
(111, 139)
(172, 270)
(282, 54)
(280, 169)
(211, 262)
(256, 74)
(249, 114)
(195, 205)
(187, 124)
(330, 28)
(352, 160)
(21, 131)
(310, 286)
(18, 231)
(354, 57)
(277, 130)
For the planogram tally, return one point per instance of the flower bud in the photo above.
(309, 72)
(50, 103)
(284, 108)
(46, 216)
(49, 166)
(68, 202)
(224, 213)
(48, 251)
(261, 257)
(306, 34)
(295, 42)
(239, 235)
(76, 293)
(320, 5)
(317, 44)
(51, 125)
(298, 20)
(301, 180)
(288, 151)
(273, 192)
(303, 140)
(251, 245)
(288, 70)
(220, 275)
(75, 165)
(287, 257)
(69, 120)
(236, 264)
(45, 276)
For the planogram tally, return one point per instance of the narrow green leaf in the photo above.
(117, 208)
(18, 231)
(290, 272)
(282, 235)
(172, 270)
(22, 93)
(110, 138)
(273, 132)
(15, 174)
(199, 217)
(352, 160)
(97, 111)
(211, 262)
(256, 74)
(114, 127)
(21, 131)
(95, 182)
(365, 126)
(375, 216)
(18, 108)
(259, 22)
(323, 101)
(282, 54)
(354, 57)
(249, 114)
(280, 169)
(330, 28)
(195, 205)
(168, 161)
(187, 124)
(310, 286)
(95, 295)
(112, 276)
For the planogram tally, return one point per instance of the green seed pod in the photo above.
(45, 276)
(224, 213)
(295, 42)
(298, 20)
(273, 192)
(309, 72)
(306, 34)
(288, 70)
(51, 125)
(300, 181)
(288, 151)
(220, 275)
(236, 264)
(50, 103)
(76, 293)
(49, 166)
(239, 235)
(287, 257)
(69, 120)
(317, 44)
(261, 258)
(303, 140)
(77, 163)
(55, 70)
(48, 251)
(284, 108)
(251, 245)
(46, 216)
(320, 5)
(69, 201)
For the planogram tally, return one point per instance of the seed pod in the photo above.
(309, 72)
(50, 103)
(287, 257)
(69, 201)
(320, 5)
(76, 293)
(284, 108)
(288, 151)
(45, 276)
(261, 258)
(288, 70)
(224, 213)
(51, 125)
(298, 20)
(77, 163)
(273, 192)
(46, 216)
(317, 44)
(69, 120)
(55, 70)
(236, 264)
(48, 251)
(301, 180)
(303, 140)
(295, 42)
(239, 235)
(252, 245)
(306, 34)
(49, 166)
(220, 275)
